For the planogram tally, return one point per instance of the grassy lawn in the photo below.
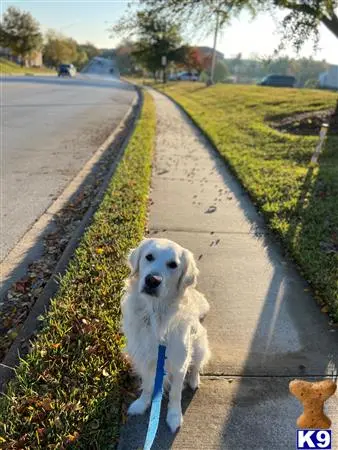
(299, 202)
(67, 392)
(10, 67)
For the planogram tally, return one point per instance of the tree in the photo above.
(20, 32)
(90, 50)
(187, 57)
(221, 72)
(156, 37)
(81, 58)
(124, 58)
(59, 49)
(301, 22)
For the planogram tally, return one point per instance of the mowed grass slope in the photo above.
(299, 202)
(67, 393)
(10, 67)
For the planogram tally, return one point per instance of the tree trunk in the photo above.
(331, 24)
(333, 126)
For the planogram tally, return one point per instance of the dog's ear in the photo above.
(134, 257)
(190, 272)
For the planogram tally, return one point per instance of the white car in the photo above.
(184, 76)
(66, 70)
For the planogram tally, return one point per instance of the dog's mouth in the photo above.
(149, 291)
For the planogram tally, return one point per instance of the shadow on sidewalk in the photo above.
(292, 315)
(164, 438)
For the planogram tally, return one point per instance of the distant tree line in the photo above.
(150, 38)
(147, 35)
(21, 33)
(235, 69)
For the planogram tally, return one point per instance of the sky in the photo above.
(89, 20)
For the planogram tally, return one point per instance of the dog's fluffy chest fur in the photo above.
(147, 324)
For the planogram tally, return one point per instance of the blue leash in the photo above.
(157, 398)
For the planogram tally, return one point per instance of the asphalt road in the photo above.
(50, 127)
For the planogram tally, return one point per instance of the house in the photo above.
(208, 51)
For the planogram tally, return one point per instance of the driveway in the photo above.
(50, 127)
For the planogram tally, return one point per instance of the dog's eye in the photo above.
(150, 257)
(172, 265)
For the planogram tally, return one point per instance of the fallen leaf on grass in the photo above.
(41, 431)
(56, 345)
(21, 442)
(72, 437)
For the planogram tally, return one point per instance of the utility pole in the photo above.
(164, 64)
(213, 62)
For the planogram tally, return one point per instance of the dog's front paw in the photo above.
(139, 406)
(174, 419)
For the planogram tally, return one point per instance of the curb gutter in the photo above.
(32, 323)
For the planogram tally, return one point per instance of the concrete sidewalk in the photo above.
(265, 328)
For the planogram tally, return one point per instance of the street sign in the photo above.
(164, 60)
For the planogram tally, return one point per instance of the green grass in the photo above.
(299, 202)
(10, 67)
(67, 392)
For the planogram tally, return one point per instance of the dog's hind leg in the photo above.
(201, 355)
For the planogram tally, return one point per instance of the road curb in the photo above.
(32, 323)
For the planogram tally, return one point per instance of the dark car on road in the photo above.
(278, 81)
(66, 70)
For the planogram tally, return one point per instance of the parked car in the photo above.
(66, 70)
(183, 76)
(278, 81)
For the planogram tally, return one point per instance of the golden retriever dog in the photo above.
(161, 305)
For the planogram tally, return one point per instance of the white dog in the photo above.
(162, 305)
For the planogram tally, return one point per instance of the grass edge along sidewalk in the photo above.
(67, 393)
(299, 201)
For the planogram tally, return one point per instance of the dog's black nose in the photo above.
(153, 281)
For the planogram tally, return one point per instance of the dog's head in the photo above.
(162, 268)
